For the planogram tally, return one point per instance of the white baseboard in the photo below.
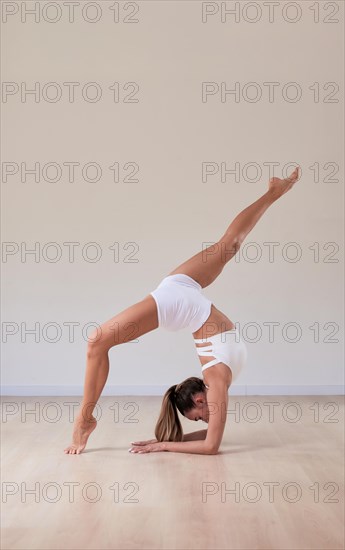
(110, 390)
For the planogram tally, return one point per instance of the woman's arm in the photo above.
(198, 447)
(195, 436)
(195, 447)
(195, 444)
(217, 400)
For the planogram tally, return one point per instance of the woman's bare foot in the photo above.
(280, 186)
(81, 433)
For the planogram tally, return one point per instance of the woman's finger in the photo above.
(138, 442)
(139, 450)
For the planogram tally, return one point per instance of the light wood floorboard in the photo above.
(174, 501)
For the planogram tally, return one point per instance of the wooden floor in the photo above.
(277, 483)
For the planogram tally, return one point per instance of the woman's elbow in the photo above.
(211, 449)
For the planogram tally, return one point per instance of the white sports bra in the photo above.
(227, 347)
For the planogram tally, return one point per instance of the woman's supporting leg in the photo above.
(205, 266)
(128, 325)
(96, 375)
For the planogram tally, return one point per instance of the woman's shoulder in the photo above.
(219, 374)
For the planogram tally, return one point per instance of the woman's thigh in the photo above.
(129, 324)
(205, 266)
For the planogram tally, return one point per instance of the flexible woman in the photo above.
(178, 303)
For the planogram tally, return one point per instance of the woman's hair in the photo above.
(177, 397)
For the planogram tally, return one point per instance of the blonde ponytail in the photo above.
(168, 427)
(177, 398)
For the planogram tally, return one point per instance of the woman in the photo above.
(178, 303)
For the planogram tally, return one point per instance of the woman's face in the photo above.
(200, 411)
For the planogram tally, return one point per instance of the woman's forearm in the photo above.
(248, 218)
(198, 447)
(195, 436)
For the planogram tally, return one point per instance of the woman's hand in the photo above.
(144, 442)
(152, 446)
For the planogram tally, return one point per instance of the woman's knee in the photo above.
(98, 344)
(94, 350)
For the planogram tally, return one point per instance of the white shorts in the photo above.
(180, 303)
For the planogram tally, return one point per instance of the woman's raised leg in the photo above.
(205, 266)
(128, 325)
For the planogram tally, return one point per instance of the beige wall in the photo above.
(168, 134)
